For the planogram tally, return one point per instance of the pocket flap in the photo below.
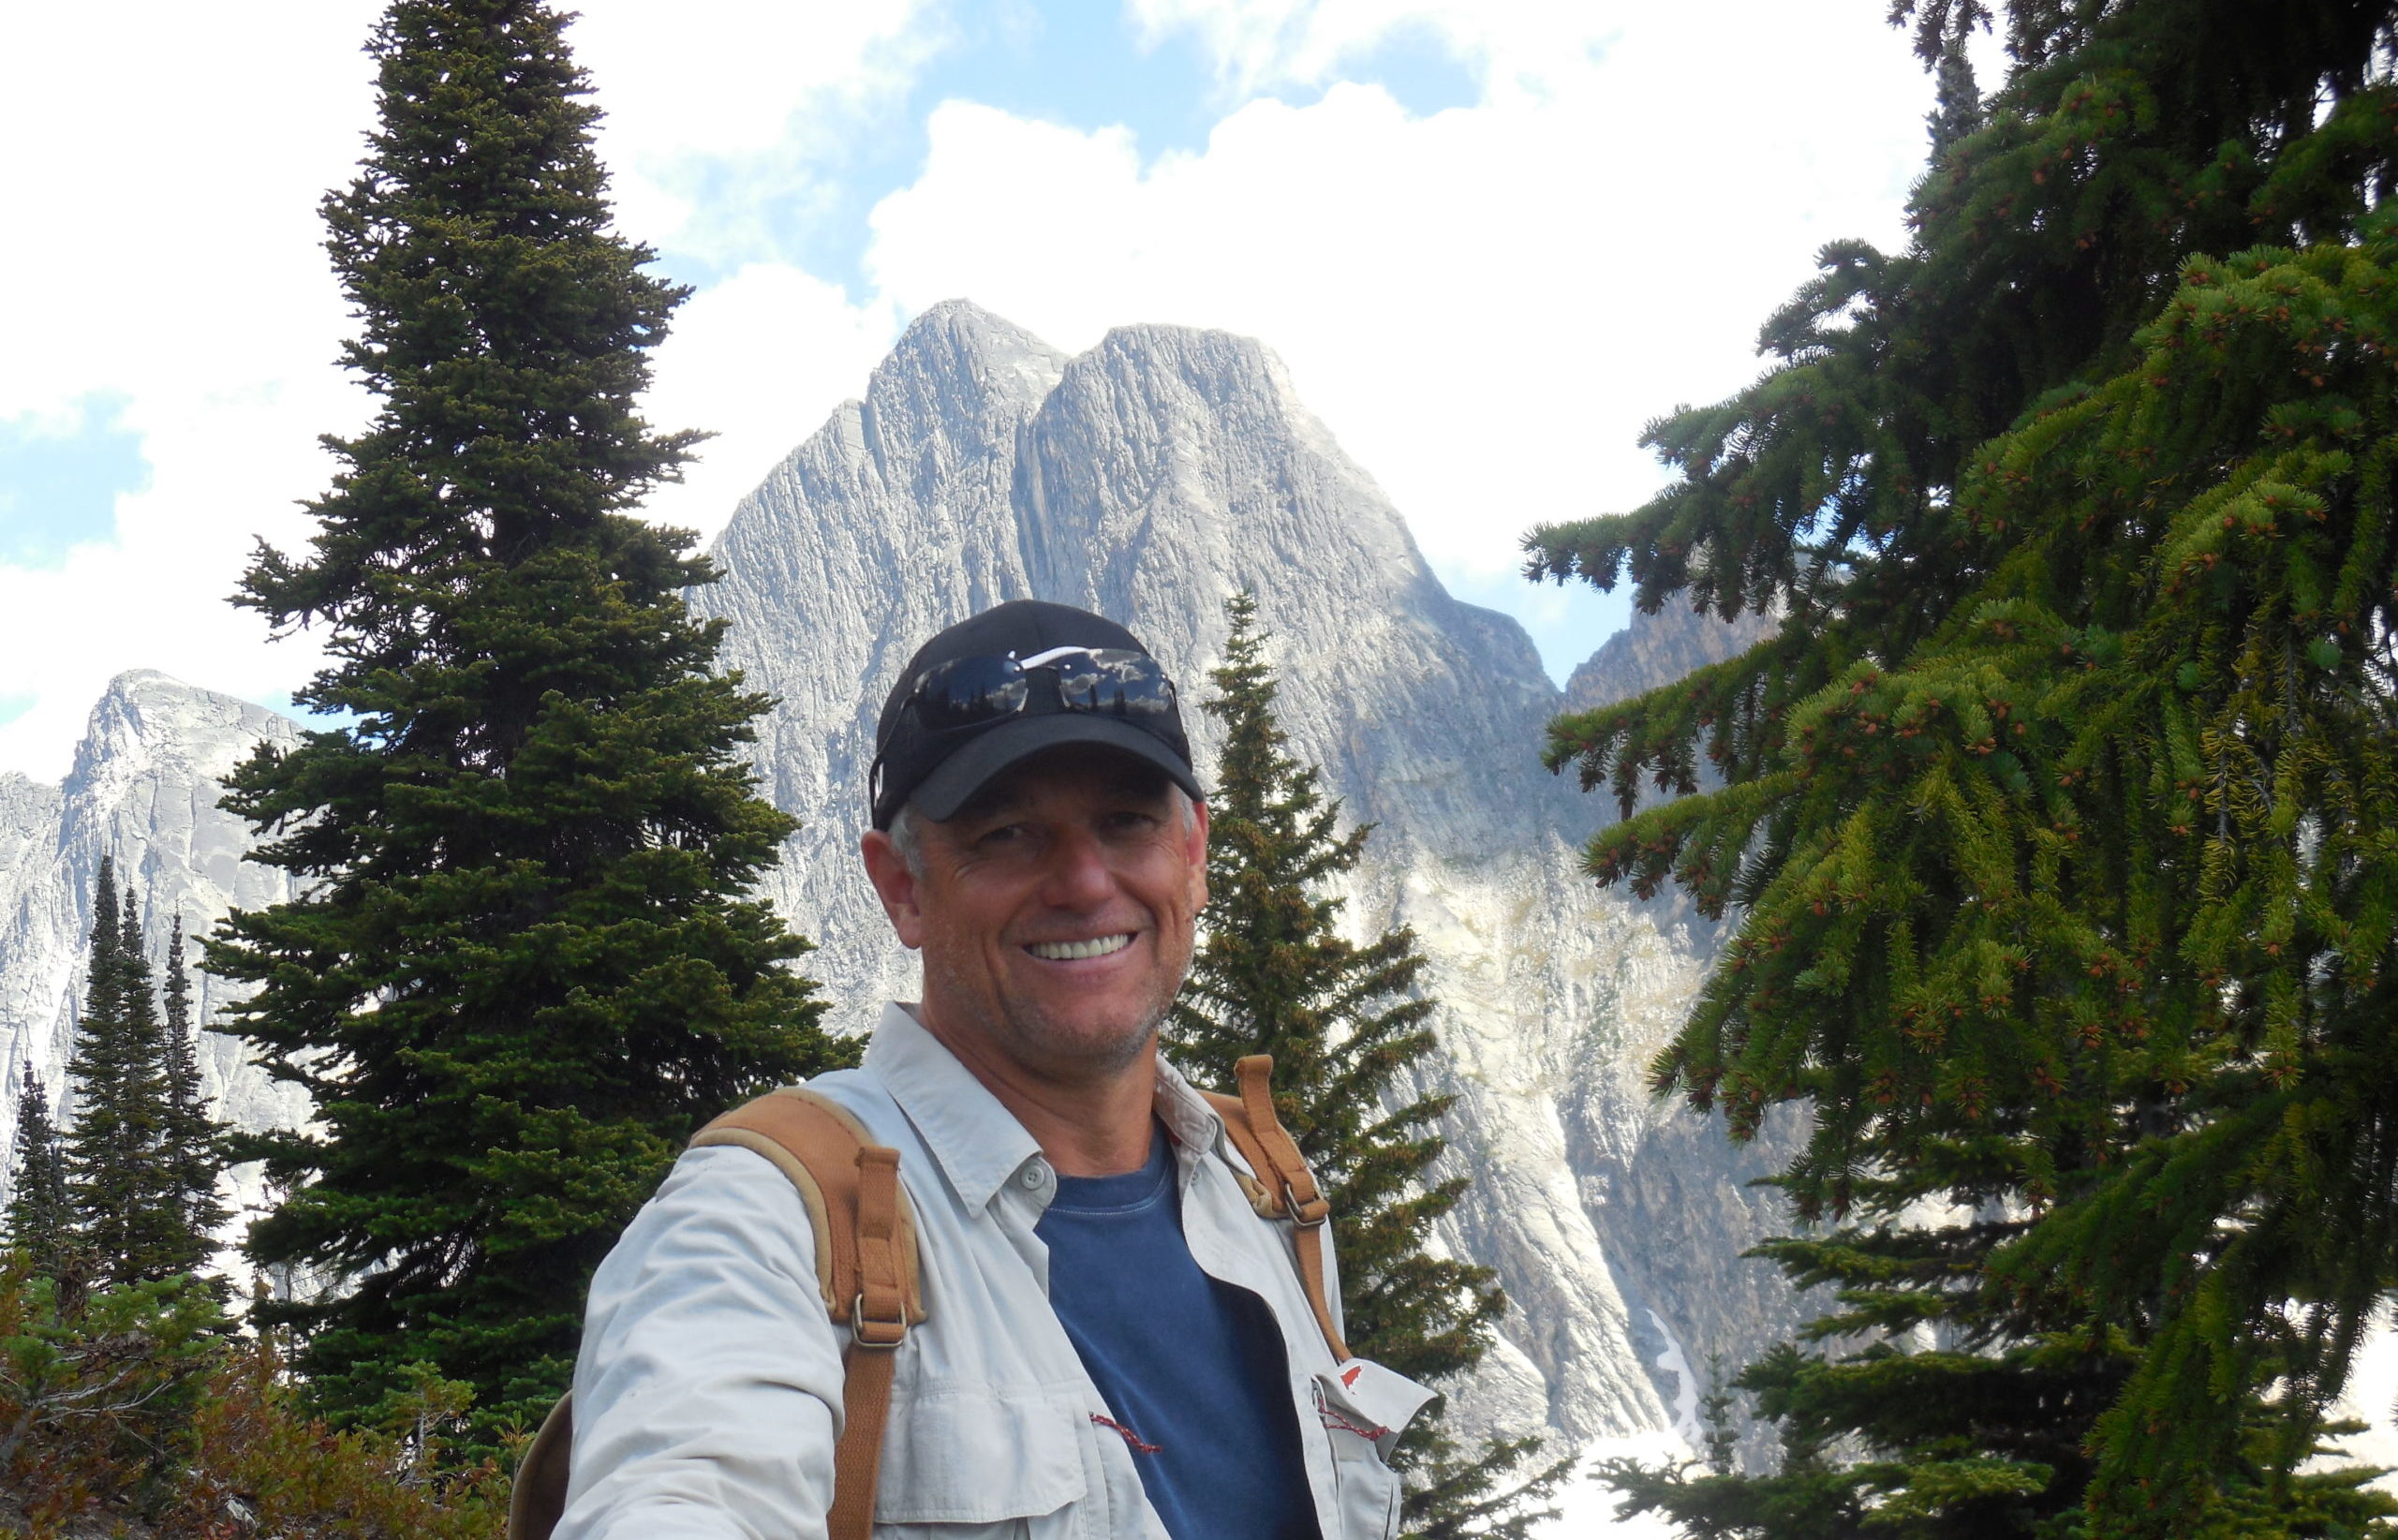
(1371, 1402)
(968, 1454)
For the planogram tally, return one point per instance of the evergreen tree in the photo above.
(2056, 814)
(1957, 101)
(524, 971)
(41, 1219)
(162, 1242)
(1273, 975)
(190, 1153)
(125, 1198)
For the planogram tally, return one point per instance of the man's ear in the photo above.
(895, 885)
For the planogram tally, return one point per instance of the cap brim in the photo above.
(939, 795)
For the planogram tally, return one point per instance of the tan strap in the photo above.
(870, 1273)
(818, 1144)
(536, 1499)
(857, 1459)
(866, 1269)
(1287, 1187)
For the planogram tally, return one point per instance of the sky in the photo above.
(1491, 239)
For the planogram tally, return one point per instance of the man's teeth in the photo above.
(1071, 951)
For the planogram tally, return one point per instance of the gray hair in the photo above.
(907, 838)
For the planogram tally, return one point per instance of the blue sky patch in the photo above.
(1415, 68)
(1075, 63)
(1078, 64)
(316, 721)
(1566, 623)
(57, 490)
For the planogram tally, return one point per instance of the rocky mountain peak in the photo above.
(144, 790)
(1658, 649)
(145, 716)
(1150, 478)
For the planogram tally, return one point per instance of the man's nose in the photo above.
(1078, 875)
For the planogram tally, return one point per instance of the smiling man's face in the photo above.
(1054, 910)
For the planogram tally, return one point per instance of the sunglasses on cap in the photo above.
(1105, 681)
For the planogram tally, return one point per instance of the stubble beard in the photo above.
(1035, 1037)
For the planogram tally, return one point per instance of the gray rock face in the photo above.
(144, 790)
(1150, 479)
(1658, 649)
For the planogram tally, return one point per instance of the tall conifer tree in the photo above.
(1957, 102)
(1273, 975)
(526, 969)
(125, 1199)
(189, 1145)
(2056, 814)
(160, 1239)
(40, 1219)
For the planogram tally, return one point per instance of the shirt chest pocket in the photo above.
(965, 1461)
(1366, 1490)
(1364, 1407)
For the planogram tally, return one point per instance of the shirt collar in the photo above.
(974, 1138)
(1185, 1113)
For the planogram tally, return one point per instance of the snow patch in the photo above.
(1586, 1506)
(2367, 1399)
(1675, 1362)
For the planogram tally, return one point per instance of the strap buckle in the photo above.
(1308, 1215)
(881, 1336)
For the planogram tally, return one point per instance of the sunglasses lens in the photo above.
(967, 690)
(1115, 683)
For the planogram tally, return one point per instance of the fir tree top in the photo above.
(504, 324)
(40, 1219)
(527, 965)
(1274, 974)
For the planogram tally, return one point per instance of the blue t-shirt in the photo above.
(1192, 1369)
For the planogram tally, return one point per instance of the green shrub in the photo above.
(142, 1411)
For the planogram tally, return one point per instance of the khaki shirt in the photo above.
(708, 1393)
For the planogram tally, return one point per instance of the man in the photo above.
(1117, 1344)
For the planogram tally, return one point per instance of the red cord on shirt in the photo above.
(1334, 1420)
(1139, 1446)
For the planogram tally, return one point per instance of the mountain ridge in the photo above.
(142, 789)
(1150, 478)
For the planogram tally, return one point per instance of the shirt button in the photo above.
(1034, 1175)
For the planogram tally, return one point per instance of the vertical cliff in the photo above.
(144, 790)
(1150, 478)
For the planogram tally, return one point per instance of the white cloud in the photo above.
(165, 167)
(759, 95)
(1485, 303)
(760, 360)
(720, 76)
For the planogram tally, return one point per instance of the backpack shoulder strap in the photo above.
(866, 1271)
(867, 1267)
(1285, 1188)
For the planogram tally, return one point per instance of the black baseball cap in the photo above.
(939, 768)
